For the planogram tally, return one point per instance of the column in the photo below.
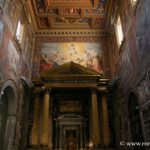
(84, 136)
(95, 120)
(60, 136)
(105, 121)
(50, 124)
(81, 137)
(45, 128)
(56, 138)
(34, 136)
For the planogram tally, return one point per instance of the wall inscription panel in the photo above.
(70, 106)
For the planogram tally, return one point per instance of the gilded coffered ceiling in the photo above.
(64, 15)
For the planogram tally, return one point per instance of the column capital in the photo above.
(48, 90)
(103, 90)
(93, 89)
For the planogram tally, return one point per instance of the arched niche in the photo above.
(8, 106)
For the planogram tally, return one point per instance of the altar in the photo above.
(70, 109)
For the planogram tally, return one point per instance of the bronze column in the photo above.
(95, 119)
(81, 137)
(105, 121)
(35, 128)
(50, 122)
(45, 126)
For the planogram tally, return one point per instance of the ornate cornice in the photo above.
(70, 33)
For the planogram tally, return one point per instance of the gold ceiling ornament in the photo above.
(70, 20)
(62, 15)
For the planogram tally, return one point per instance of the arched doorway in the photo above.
(7, 116)
(135, 121)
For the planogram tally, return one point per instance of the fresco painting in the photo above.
(89, 55)
(13, 57)
(1, 31)
(125, 64)
(143, 38)
(2, 3)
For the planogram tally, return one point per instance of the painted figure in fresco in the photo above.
(96, 65)
(146, 89)
(73, 52)
(92, 60)
(45, 63)
(11, 10)
(57, 58)
(141, 93)
(89, 60)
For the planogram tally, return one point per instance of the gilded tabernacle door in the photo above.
(70, 109)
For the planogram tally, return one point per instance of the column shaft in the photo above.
(45, 129)
(34, 136)
(106, 132)
(60, 137)
(81, 138)
(50, 126)
(95, 120)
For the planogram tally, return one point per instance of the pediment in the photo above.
(69, 69)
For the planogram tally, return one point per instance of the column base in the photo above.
(39, 147)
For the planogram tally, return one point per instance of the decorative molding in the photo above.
(80, 78)
(77, 33)
(80, 39)
(76, 3)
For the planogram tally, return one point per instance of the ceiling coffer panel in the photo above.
(70, 3)
(71, 14)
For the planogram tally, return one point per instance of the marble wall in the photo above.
(15, 66)
(15, 61)
(131, 63)
(142, 31)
